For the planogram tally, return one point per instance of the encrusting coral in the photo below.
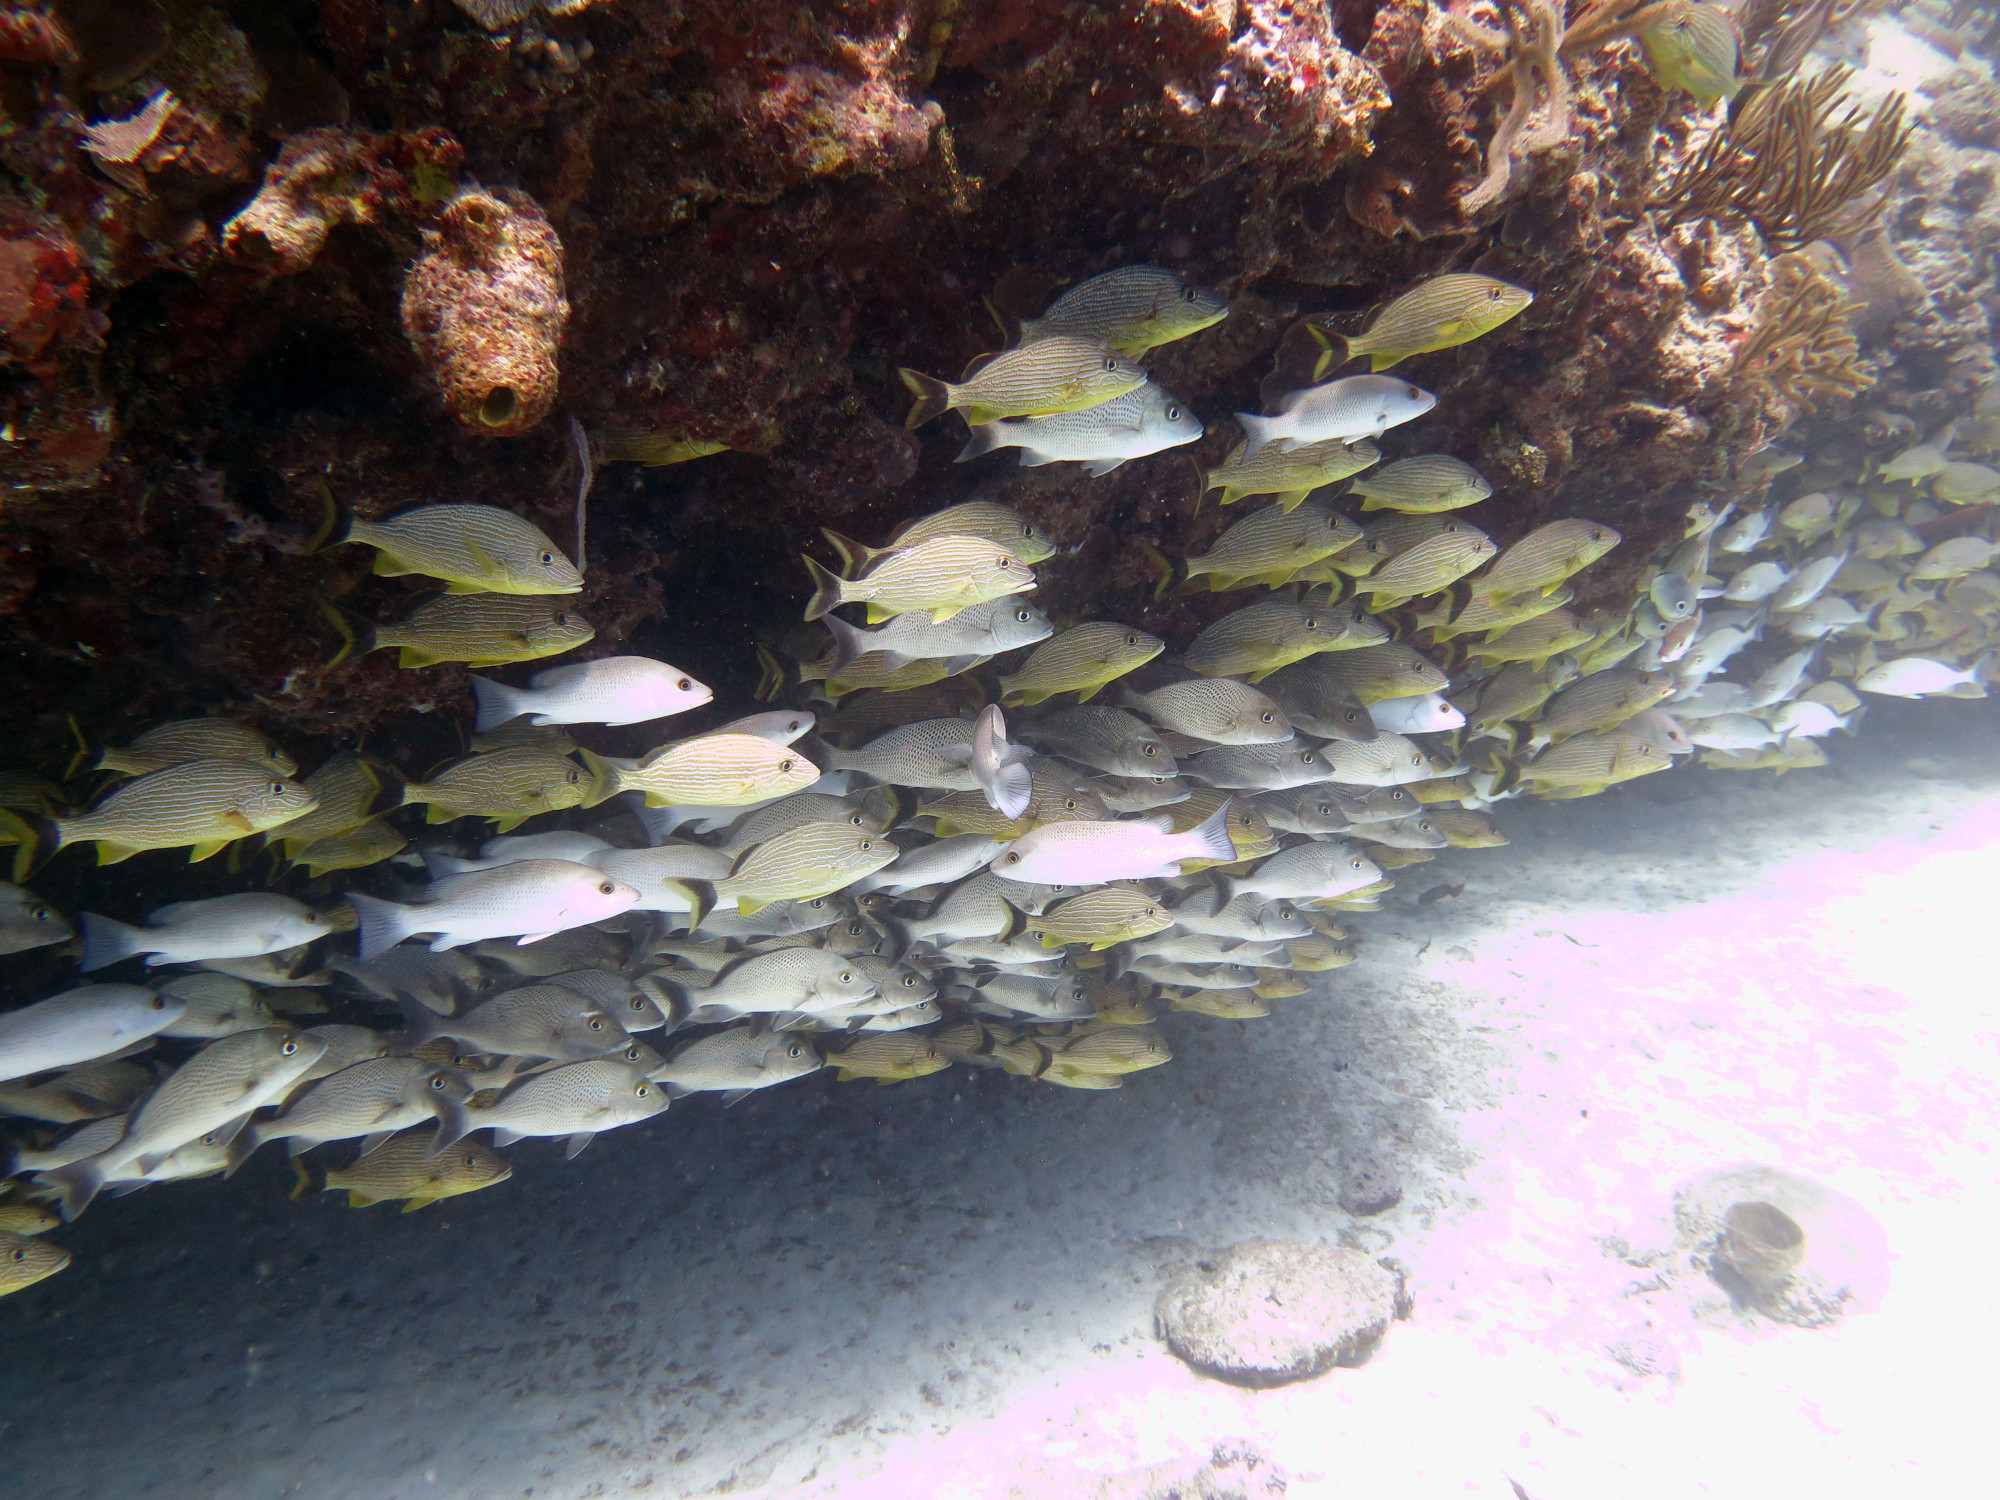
(484, 307)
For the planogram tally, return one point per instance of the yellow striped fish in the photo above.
(1386, 670)
(1477, 612)
(200, 806)
(1255, 641)
(1517, 691)
(1545, 557)
(370, 843)
(941, 575)
(652, 448)
(1098, 919)
(711, 770)
(1591, 762)
(1693, 47)
(1271, 546)
(508, 786)
(1250, 833)
(981, 518)
(481, 630)
(183, 740)
(473, 548)
(813, 859)
(1427, 567)
(1291, 474)
(1534, 640)
(871, 670)
(1080, 661)
(345, 789)
(1059, 373)
(1230, 1005)
(1426, 483)
(1111, 1051)
(1600, 701)
(1440, 313)
(1465, 829)
(1053, 797)
(1129, 310)
(888, 1059)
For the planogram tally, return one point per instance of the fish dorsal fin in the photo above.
(974, 365)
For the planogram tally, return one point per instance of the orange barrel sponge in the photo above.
(484, 307)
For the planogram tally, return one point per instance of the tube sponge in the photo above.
(483, 305)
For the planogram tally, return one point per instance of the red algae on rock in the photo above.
(484, 307)
(327, 177)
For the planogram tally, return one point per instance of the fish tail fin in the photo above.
(1257, 431)
(497, 703)
(1010, 326)
(672, 998)
(603, 778)
(827, 587)
(35, 839)
(1164, 565)
(701, 900)
(420, 1024)
(106, 941)
(336, 520)
(933, 397)
(242, 1149)
(382, 923)
(771, 674)
(82, 757)
(307, 1177)
(1506, 774)
(1211, 836)
(1012, 925)
(357, 636)
(854, 556)
(1987, 669)
(1334, 351)
(455, 1123)
(849, 641)
(72, 1186)
(978, 440)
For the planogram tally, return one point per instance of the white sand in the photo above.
(943, 1289)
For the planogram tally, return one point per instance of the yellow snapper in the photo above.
(1257, 640)
(481, 630)
(1440, 313)
(1545, 557)
(1693, 47)
(25, 1260)
(184, 740)
(1129, 310)
(813, 859)
(941, 575)
(1429, 482)
(1289, 473)
(509, 786)
(401, 1168)
(201, 806)
(1081, 661)
(1098, 919)
(1057, 373)
(981, 518)
(473, 548)
(711, 770)
(1431, 565)
(889, 1059)
(1272, 545)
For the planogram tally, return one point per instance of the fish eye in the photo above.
(868, 843)
(1024, 615)
(562, 617)
(1131, 638)
(1325, 810)
(1493, 294)
(909, 981)
(1004, 561)
(1027, 530)
(795, 1050)
(1355, 864)
(470, 1161)
(18, 1255)
(40, 914)
(1069, 804)
(637, 1003)
(607, 888)
(278, 788)
(786, 764)
(288, 1048)
(685, 684)
(1191, 294)
(1413, 393)
(595, 1024)
(858, 820)
(1149, 748)
(1268, 717)
(1110, 362)
(1173, 414)
(437, 1080)
(574, 777)
(818, 903)
(1012, 858)
(548, 558)
(1307, 758)
(644, 1091)
(847, 976)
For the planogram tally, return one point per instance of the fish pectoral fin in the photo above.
(1378, 362)
(576, 1143)
(109, 854)
(846, 1075)
(533, 937)
(502, 1136)
(236, 819)
(416, 1203)
(877, 614)
(944, 612)
(389, 567)
(376, 1141)
(736, 1096)
(749, 906)
(358, 1199)
(979, 416)
(509, 824)
(197, 853)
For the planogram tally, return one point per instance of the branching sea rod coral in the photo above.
(1533, 31)
(1795, 162)
(1801, 347)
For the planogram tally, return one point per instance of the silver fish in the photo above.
(240, 926)
(576, 1101)
(537, 1020)
(736, 1063)
(81, 1024)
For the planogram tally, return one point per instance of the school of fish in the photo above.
(960, 833)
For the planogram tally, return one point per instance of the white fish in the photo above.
(1386, 760)
(967, 638)
(660, 874)
(1758, 581)
(1052, 997)
(1806, 719)
(1673, 595)
(1309, 872)
(1780, 680)
(1809, 582)
(611, 690)
(511, 848)
(215, 1005)
(1745, 533)
(1000, 768)
(1921, 677)
(226, 1081)
(245, 925)
(1094, 853)
(1658, 727)
(1709, 653)
(736, 1062)
(783, 725)
(27, 921)
(1712, 698)
(528, 900)
(1732, 732)
(1144, 420)
(1358, 406)
(943, 862)
(375, 1098)
(1827, 615)
(576, 1101)
(79, 1025)
(1428, 714)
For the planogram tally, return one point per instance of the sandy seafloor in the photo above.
(944, 1288)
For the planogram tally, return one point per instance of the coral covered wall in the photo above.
(755, 212)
